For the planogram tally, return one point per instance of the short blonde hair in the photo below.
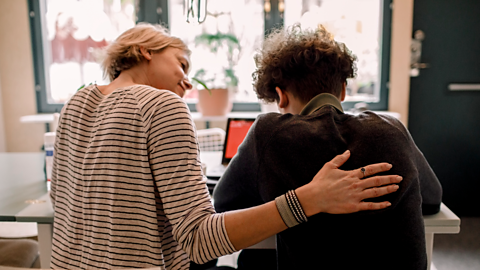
(124, 53)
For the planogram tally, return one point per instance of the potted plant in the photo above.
(217, 75)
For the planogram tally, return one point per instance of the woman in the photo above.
(127, 184)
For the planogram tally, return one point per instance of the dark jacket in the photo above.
(284, 152)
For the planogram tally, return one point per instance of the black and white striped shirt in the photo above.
(127, 185)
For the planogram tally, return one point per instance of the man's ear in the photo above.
(283, 102)
(146, 54)
(344, 92)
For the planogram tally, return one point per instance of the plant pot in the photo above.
(215, 104)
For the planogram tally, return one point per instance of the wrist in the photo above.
(307, 199)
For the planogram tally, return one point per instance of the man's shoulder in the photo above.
(266, 119)
(377, 128)
(373, 120)
(271, 123)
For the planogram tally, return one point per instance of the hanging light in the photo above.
(267, 6)
(196, 10)
(281, 6)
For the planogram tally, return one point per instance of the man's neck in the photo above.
(295, 106)
(321, 100)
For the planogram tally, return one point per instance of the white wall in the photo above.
(16, 80)
(402, 20)
(3, 142)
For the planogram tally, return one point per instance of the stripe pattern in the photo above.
(127, 186)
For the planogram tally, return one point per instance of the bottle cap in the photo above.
(49, 138)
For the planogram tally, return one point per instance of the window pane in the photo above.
(226, 21)
(75, 31)
(355, 23)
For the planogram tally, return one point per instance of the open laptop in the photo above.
(237, 129)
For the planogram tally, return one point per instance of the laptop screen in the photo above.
(237, 129)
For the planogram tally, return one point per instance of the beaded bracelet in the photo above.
(290, 209)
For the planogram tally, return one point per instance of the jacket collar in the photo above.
(319, 101)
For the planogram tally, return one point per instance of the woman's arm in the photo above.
(205, 235)
(331, 191)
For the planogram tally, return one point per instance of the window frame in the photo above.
(35, 9)
(382, 104)
(156, 11)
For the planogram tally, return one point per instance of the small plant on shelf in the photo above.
(220, 73)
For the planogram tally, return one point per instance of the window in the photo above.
(68, 35)
(223, 45)
(359, 24)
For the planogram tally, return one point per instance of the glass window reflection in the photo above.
(223, 45)
(76, 32)
(357, 23)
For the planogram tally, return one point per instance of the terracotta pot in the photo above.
(215, 104)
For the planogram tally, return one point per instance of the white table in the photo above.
(444, 222)
(22, 179)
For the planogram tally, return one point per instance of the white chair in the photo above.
(211, 139)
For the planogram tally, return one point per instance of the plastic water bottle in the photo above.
(49, 143)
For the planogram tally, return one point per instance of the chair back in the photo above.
(211, 139)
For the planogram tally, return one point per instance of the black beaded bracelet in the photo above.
(297, 207)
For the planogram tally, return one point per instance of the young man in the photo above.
(305, 73)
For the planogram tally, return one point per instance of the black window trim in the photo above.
(35, 10)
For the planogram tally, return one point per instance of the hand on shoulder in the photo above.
(337, 191)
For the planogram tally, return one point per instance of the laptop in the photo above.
(237, 129)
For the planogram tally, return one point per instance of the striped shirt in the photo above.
(127, 185)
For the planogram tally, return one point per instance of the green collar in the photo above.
(319, 101)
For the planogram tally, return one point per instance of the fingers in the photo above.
(375, 187)
(340, 159)
(373, 169)
(377, 192)
(363, 172)
(373, 206)
(378, 181)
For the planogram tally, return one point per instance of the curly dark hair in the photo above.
(302, 62)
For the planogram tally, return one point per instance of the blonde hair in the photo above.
(124, 53)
